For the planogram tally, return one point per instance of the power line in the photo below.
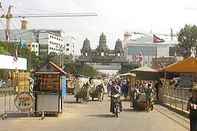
(55, 15)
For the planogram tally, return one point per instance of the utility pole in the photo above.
(171, 34)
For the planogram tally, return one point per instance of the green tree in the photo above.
(187, 38)
(127, 67)
(60, 59)
(80, 69)
(86, 70)
(2, 50)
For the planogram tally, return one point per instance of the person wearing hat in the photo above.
(192, 108)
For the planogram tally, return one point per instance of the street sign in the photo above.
(24, 101)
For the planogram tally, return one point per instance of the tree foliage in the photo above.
(10, 49)
(80, 69)
(35, 61)
(187, 38)
(127, 67)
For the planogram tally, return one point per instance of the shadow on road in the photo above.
(128, 110)
(71, 102)
(132, 110)
(102, 115)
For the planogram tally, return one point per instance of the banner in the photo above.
(9, 62)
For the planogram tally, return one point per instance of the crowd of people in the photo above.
(143, 89)
(122, 84)
(122, 87)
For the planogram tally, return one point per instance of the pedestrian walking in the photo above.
(192, 107)
(149, 96)
(158, 85)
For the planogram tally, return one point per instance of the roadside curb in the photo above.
(177, 110)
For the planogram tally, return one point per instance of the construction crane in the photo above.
(8, 16)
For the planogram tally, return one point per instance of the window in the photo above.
(67, 44)
(102, 54)
(67, 49)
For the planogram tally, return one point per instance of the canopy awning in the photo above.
(144, 69)
(188, 65)
(146, 73)
(128, 74)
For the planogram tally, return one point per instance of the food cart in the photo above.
(48, 89)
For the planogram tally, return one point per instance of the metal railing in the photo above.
(176, 98)
(7, 96)
(7, 102)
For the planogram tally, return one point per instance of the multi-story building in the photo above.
(48, 40)
(34, 47)
(144, 47)
(70, 45)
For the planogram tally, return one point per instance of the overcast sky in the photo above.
(114, 16)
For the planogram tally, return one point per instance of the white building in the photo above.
(34, 47)
(70, 45)
(147, 46)
(51, 42)
(48, 40)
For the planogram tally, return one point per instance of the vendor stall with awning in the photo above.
(146, 73)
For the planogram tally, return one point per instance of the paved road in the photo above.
(95, 116)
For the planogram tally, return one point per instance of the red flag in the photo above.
(156, 39)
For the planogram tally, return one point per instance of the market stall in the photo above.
(186, 70)
(130, 77)
(146, 73)
(50, 81)
(176, 90)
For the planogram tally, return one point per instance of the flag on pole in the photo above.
(16, 54)
(141, 58)
(7, 36)
(156, 39)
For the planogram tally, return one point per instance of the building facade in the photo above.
(102, 58)
(102, 54)
(34, 47)
(140, 47)
(51, 43)
(42, 41)
(70, 42)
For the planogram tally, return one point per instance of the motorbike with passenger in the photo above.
(116, 105)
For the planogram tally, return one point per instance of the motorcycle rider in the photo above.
(115, 89)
